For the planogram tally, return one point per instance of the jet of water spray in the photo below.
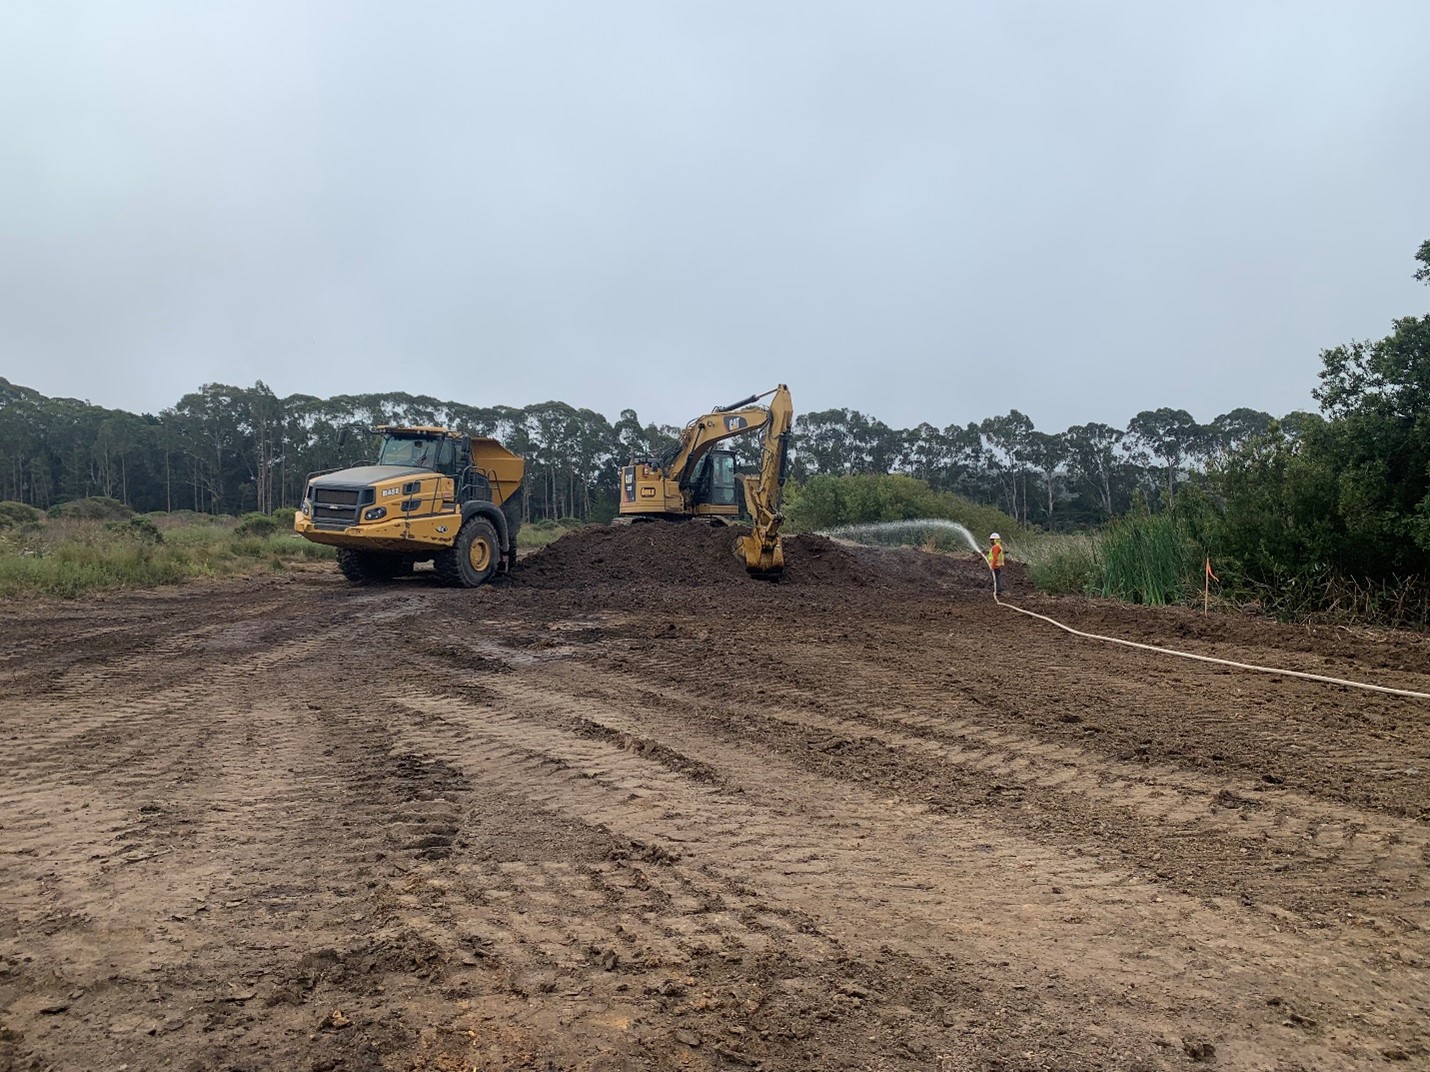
(900, 533)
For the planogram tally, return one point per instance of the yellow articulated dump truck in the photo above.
(432, 495)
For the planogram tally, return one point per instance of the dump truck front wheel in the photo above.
(473, 558)
(364, 567)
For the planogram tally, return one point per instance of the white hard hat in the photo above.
(995, 536)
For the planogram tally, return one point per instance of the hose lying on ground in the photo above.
(1223, 662)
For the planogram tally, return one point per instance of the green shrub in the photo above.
(95, 508)
(186, 518)
(297, 547)
(1063, 565)
(259, 525)
(284, 515)
(250, 546)
(15, 515)
(827, 501)
(136, 529)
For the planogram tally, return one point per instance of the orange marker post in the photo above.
(1207, 588)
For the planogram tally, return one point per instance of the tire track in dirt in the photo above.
(113, 795)
(1126, 696)
(599, 836)
(76, 648)
(785, 983)
(1299, 839)
(214, 858)
(1311, 861)
(76, 723)
(838, 858)
(1357, 748)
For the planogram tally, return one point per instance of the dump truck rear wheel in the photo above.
(473, 558)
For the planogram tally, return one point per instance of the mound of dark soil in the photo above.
(697, 555)
(908, 566)
(646, 554)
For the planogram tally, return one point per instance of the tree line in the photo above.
(227, 449)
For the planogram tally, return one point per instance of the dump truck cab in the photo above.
(430, 495)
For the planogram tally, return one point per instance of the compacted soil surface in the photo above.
(630, 809)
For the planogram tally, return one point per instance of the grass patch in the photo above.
(536, 534)
(1061, 564)
(72, 556)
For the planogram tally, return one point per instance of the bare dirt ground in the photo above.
(629, 809)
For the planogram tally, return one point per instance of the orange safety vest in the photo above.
(995, 556)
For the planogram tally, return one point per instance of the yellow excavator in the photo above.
(431, 495)
(697, 478)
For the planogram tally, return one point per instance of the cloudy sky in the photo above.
(924, 210)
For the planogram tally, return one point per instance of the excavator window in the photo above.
(714, 479)
(722, 478)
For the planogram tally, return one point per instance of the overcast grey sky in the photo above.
(925, 210)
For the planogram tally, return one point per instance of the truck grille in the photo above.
(335, 508)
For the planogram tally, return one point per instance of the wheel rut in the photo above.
(897, 856)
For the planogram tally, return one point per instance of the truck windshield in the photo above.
(408, 450)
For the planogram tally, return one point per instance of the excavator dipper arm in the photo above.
(761, 549)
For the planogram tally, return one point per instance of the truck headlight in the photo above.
(307, 508)
(377, 513)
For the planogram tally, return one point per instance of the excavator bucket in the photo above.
(764, 560)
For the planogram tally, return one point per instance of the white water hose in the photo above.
(1210, 659)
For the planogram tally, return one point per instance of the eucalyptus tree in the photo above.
(925, 453)
(823, 442)
(1093, 458)
(1232, 430)
(1047, 452)
(1009, 437)
(1169, 435)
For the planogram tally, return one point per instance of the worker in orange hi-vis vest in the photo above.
(995, 562)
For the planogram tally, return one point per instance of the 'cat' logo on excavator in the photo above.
(734, 424)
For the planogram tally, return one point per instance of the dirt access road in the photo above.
(631, 810)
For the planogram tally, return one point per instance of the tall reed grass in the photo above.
(1150, 559)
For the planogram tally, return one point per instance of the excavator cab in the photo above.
(713, 481)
